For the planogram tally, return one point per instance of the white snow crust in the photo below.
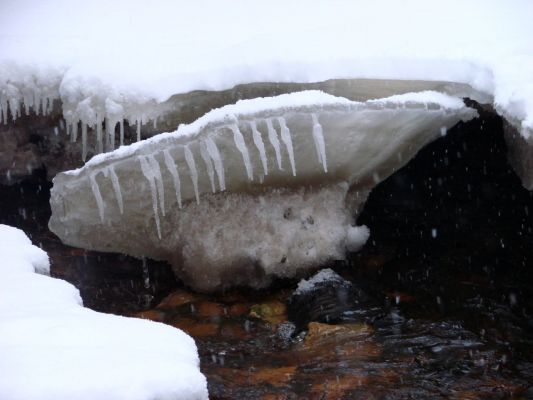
(357, 237)
(53, 348)
(322, 276)
(262, 107)
(141, 55)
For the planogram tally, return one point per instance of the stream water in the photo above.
(449, 265)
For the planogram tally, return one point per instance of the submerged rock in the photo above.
(329, 298)
(261, 189)
(323, 298)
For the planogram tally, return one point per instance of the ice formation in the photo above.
(53, 348)
(260, 225)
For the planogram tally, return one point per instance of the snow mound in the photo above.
(290, 171)
(53, 348)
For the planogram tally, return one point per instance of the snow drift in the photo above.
(263, 188)
(53, 348)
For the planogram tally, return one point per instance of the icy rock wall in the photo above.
(520, 154)
(263, 188)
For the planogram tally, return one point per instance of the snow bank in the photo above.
(53, 348)
(146, 54)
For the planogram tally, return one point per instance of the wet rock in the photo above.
(178, 298)
(329, 298)
(520, 154)
(153, 315)
(273, 312)
(319, 333)
(197, 329)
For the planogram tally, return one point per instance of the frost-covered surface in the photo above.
(146, 54)
(320, 278)
(53, 348)
(262, 188)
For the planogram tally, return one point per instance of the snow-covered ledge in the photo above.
(53, 348)
(162, 74)
(263, 188)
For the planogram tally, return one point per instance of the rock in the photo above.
(153, 315)
(329, 298)
(347, 340)
(197, 329)
(520, 154)
(325, 297)
(178, 298)
(273, 312)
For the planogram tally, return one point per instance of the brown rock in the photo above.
(273, 312)
(210, 309)
(274, 376)
(319, 332)
(239, 309)
(234, 331)
(178, 298)
(153, 315)
(196, 329)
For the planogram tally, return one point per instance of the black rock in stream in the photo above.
(329, 298)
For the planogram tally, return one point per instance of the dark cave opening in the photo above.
(452, 236)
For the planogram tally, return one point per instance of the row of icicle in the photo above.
(213, 161)
(42, 104)
(109, 141)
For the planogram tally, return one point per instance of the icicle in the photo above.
(74, 132)
(99, 142)
(138, 130)
(320, 146)
(155, 122)
(258, 141)
(194, 173)
(122, 131)
(36, 102)
(83, 141)
(171, 166)
(217, 160)
(13, 106)
(208, 165)
(146, 170)
(274, 141)
(241, 146)
(116, 188)
(26, 100)
(3, 108)
(110, 133)
(156, 171)
(97, 195)
(286, 137)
